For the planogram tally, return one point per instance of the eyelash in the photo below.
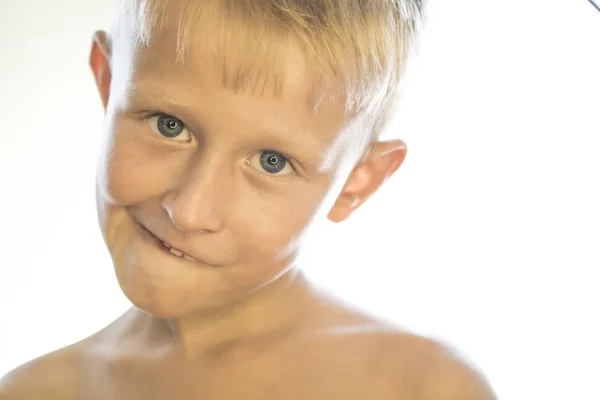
(285, 157)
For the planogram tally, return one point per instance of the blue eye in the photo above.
(272, 163)
(168, 126)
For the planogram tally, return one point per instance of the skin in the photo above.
(243, 322)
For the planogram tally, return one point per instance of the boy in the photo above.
(205, 100)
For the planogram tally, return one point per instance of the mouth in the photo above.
(166, 247)
(176, 252)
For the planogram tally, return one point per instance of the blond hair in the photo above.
(360, 46)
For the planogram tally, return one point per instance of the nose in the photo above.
(195, 204)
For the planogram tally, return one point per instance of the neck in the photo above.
(272, 309)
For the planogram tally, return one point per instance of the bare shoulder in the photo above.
(380, 360)
(392, 361)
(62, 374)
(51, 376)
(432, 370)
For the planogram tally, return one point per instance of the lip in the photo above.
(158, 242)
(155, 240)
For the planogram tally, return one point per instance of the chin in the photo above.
(174, 301)
(162, 306)
(168, 286)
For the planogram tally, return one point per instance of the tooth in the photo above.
(188, 257)
(176, 252)
(167, 244)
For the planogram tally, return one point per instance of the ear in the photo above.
(381, 161)
(100, 64)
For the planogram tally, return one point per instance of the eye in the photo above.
(272, 162)
(169, 127)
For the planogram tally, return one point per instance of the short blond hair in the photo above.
(360, 46)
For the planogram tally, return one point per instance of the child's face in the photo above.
(202, 168)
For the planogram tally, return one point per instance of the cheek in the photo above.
(131, 171)
(272, 231)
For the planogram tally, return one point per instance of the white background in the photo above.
(488, 237)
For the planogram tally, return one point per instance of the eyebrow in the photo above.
(143, 91)
(312, 150)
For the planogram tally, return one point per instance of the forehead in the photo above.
(287, 79)
(217, 44)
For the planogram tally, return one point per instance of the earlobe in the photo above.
(383, 159)
(355, 192)
(100, 64)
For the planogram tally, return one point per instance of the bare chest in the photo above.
(249, 386)
(285, 375)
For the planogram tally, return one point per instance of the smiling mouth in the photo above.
(176, 252)
(166, 246)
